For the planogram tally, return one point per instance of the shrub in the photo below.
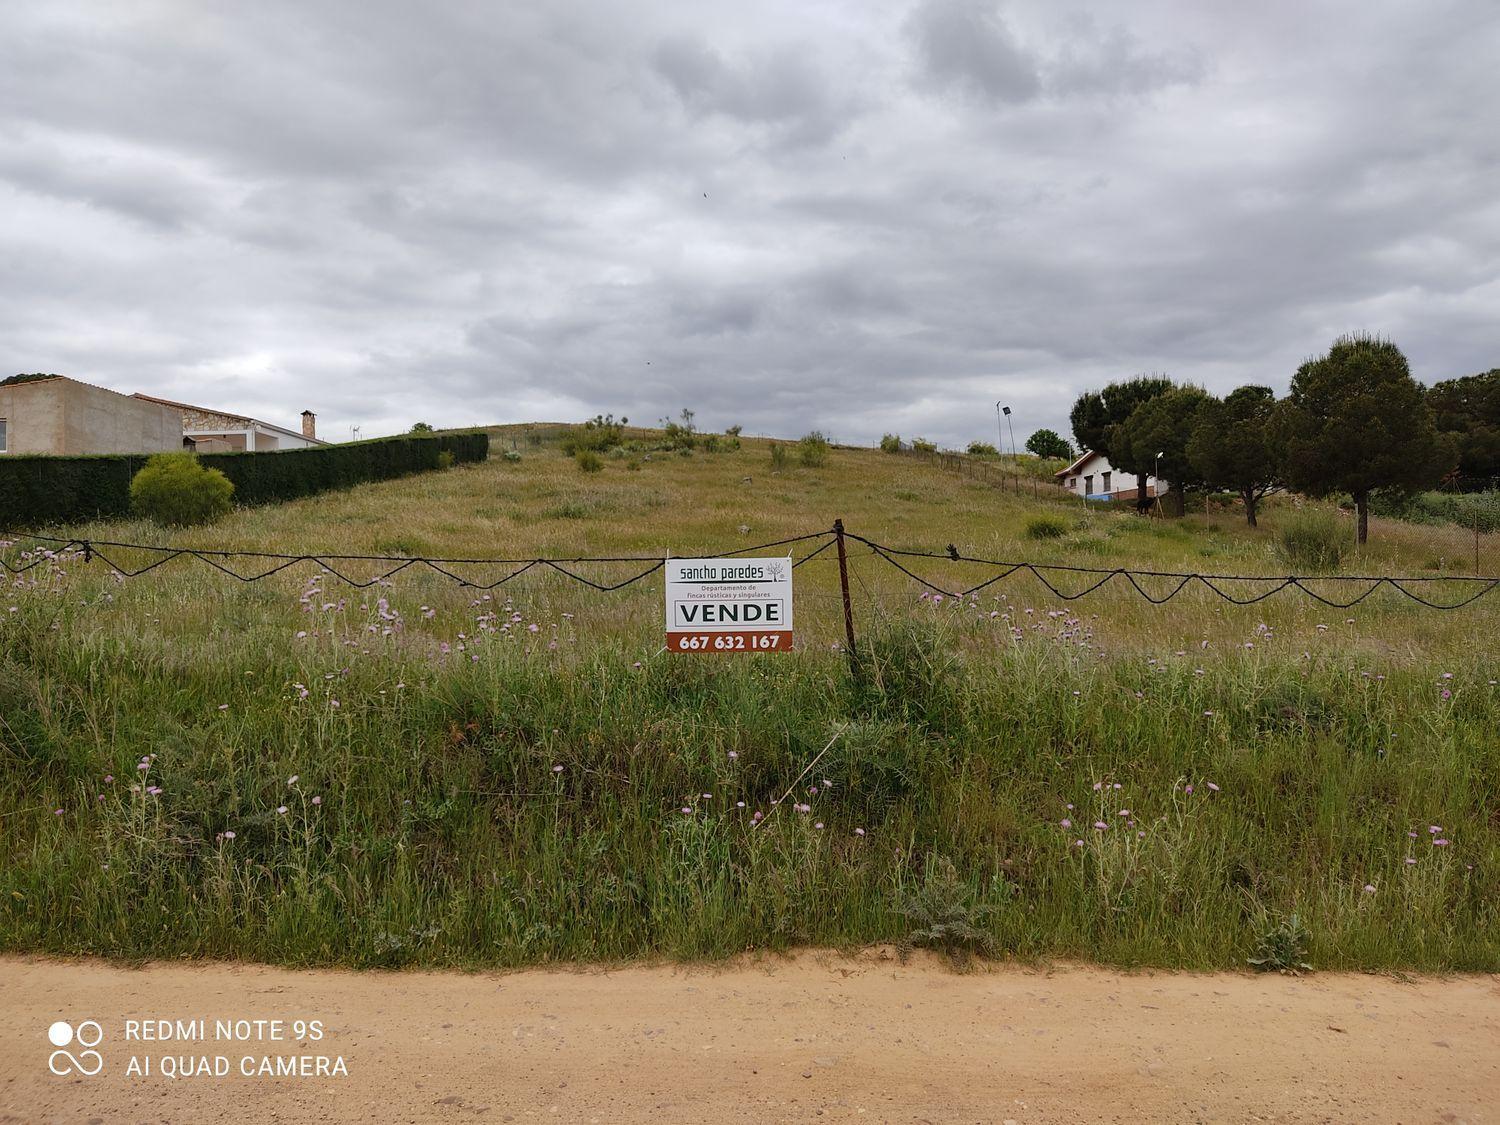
(445, 459)
(597, 434)
(176, 491)
(1313, 540)
(734, 431)
(512, 455)
(922, 445)
(890, 443)
(680, 434)
(588, 461)
(1046, 527)
(1479, 509)
(812, 450)
(778, 457)
(982, 449)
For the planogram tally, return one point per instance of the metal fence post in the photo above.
(838, 531)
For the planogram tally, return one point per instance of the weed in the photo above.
(1047, 527)
(946, 915)
(1281, 945)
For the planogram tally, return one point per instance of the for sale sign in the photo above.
(729, 605)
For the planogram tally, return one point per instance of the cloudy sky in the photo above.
(854, 215)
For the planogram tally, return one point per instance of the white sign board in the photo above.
(729, 605)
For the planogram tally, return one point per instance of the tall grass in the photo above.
(521, 776)
(361, 796)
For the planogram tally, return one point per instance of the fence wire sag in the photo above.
(266, 564)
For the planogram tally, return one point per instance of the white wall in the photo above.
(1096, 467)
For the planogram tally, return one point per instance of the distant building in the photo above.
(65, 417)
(219, 431)
(57, 415)
(1094, 477)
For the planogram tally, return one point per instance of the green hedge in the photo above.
(41, 490)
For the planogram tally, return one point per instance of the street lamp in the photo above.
(1009, 421)
(1156, 488)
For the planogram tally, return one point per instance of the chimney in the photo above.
(309, 424)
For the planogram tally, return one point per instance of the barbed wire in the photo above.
(1098, 577)
(92, 549)
(1103, 575)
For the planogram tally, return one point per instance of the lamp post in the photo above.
(1011, 422)
(1000, 427)
(1156, 488)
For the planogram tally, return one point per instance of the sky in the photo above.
(855, 216)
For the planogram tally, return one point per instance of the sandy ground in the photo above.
(815, 1037)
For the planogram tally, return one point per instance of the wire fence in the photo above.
(1065, 582)
(992, 473)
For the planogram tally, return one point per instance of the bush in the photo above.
(597, 434)
(588, 461)
(445, 459)
(778, 457)
(176, 491)
(512, 455)
(890, 443)
(922, 445)
(1313, 540)
(734, 432)
(1046, 527)
(1467, 510)
(681, 434)
(982, 449)
(812, 450)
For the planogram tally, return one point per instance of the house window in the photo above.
(3, 446)
(1088, 485)
(1072, 482)
(1106, 482)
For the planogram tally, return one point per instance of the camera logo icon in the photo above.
(87, 1035)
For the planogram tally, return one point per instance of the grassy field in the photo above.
(419, 773)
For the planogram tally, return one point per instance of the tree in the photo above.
(421, 428)
(1469, 409)
(1049, 443)
(1356, 421)
(1096, 411)
(1234, 446)
(1161, 425)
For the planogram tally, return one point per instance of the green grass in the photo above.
(434, 720)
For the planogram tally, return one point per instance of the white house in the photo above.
(214, 431)
(1094, 477)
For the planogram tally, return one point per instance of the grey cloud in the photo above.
(966, 45)
(969, 47)
(477, 212)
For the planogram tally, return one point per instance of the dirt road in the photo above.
(817, 1037)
